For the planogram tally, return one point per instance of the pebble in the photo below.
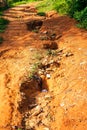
(45, 32)
(69, 54)
(62, 104)
(48, 76)
(46, 128)
(82, 63)
(36, 111)
(31, 49)
(44, 90)
(40, 72)
(79, 49)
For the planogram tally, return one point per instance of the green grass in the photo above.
(45, 6)
(18, 2)
(48, 5)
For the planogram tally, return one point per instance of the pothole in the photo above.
(35, 97)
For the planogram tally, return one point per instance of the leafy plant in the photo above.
(81, 17)
(34, 69)
(51, 52)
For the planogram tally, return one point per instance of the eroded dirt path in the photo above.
(62, 103)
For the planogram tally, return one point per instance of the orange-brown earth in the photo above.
(62, 103)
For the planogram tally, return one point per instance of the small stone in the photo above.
(83, 62)
(31, 49)
(40, 72)
(51, 61)
(36, 111)
(62, 104)
(43, 38)
(44, 90)
(58, 36)
(31, 106)
(47, 96)
(45, 61)
(46, 128)
(79, 49)
(48, 76)
(69, 54)
(45, 32)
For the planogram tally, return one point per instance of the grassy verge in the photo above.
(3, 22)
(18, 2)
(46, 5)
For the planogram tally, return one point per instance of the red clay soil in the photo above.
(67, 109)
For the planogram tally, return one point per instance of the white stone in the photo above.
(46, 128)
(62, 104)
(44, 90)
(48, 76)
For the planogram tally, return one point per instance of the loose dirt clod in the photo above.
(34, 25)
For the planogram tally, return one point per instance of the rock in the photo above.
(68, 54)
(44, 90)
(48, 76)
(40, 72)
(36, 111)
(83, 62)
(62, 104)
(47, 97)
(46, 128)
(45, 32)
(31, 106)
(58, 36)
(43, 38)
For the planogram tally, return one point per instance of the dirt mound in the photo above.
(43, 73)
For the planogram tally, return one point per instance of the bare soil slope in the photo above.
(59, 49)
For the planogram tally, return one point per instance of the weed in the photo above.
(34, 69)
(38, 56)
(51, 52)
(35, 30)
(19, 129)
